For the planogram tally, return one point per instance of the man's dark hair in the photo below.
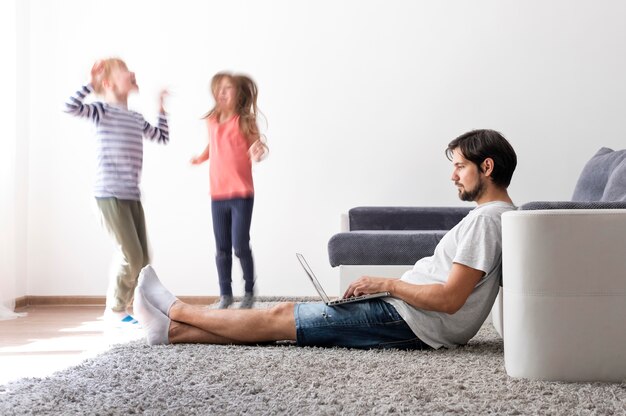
(478, 145)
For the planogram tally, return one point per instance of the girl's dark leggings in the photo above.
(231, 226)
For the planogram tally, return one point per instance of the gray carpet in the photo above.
(283, 379)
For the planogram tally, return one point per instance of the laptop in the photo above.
(322, 293)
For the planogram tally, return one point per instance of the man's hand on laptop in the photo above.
(366, 285)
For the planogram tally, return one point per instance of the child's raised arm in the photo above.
(201, 158)
(97, 73)
(162, 95)
(257, 151)
(161, 133)
(74, 105)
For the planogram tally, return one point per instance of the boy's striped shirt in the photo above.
(119, 147)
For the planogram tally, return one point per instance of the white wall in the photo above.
(13, 153)
(361, 99)
(8, 42)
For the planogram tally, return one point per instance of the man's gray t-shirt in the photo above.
(475, 242)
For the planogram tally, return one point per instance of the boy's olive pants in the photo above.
(125, 222)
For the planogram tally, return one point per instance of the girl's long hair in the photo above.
(246, 106)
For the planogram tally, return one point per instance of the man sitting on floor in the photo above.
(441, 302)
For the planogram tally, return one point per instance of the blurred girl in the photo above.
(234, 142)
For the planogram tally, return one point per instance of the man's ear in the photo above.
(487, 166)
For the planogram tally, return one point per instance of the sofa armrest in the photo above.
(406, 218)
(542, 205)
(581, 242)
(563, 282)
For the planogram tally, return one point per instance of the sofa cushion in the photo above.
(382, 247)
(596, 174)
(616, 186)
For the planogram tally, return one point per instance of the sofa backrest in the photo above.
(603, 178)
(405, 218)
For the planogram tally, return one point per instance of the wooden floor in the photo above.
(51, 338)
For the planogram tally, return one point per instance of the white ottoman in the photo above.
(564, 294)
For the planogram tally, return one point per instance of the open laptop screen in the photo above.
(311, 275)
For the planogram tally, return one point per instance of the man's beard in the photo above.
(472, 194)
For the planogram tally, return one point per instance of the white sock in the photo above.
(154, 291)
(155, 324)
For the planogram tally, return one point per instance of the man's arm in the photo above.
(448, 297)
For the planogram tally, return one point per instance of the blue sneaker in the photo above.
(119, 319)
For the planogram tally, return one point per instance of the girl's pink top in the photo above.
(230, 169)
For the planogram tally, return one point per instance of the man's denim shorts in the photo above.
(367, 324)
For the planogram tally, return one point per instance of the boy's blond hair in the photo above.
(107, 67)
